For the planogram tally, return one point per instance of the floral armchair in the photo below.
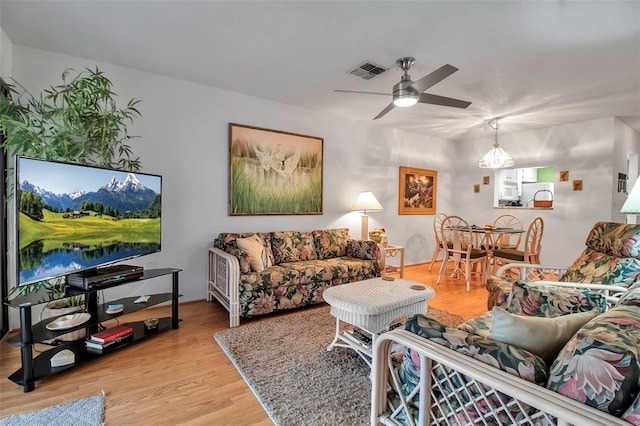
(437, 375)
(611, 258)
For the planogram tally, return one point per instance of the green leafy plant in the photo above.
(77, 121)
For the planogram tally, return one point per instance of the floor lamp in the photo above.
(366, 201)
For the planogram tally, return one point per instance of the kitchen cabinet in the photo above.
(529, 175)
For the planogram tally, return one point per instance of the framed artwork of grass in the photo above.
(417, 191)
(273, 172)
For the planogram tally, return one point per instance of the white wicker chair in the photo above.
(474, 382)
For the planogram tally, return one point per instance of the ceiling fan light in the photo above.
(405, 101)
(496, 158)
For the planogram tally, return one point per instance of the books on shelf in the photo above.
(112, 333)
(360, 335)
(98, 347)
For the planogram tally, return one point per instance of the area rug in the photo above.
(83, 412)
(285, 362)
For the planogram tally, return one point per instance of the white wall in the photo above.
(6, 53)
(184, 137)
(585, 149)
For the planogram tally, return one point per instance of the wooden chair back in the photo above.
(508, 240)
(533, 241)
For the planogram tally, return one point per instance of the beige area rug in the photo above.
(285, 362)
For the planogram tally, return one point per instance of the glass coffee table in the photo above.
(369, 306)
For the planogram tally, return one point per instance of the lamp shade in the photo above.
(496, 158)
(632, 205)
(366, 201)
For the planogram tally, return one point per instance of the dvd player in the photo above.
(101, 277)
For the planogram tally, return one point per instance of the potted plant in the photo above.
(77, 121)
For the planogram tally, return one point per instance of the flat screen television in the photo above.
(72, 218)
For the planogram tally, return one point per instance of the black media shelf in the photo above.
(42, 363)
(40, 332)
(34, 369)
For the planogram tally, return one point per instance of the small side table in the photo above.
(392, 251)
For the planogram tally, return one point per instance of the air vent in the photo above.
(367, 70)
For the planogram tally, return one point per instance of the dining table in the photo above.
(487, 237)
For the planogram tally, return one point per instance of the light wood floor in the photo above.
(182, 376)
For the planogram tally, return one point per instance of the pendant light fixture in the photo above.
(496, 158)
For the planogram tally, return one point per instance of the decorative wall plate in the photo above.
(68, 321)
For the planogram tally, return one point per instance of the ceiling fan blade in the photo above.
(366, 93)
(426, 98)
(386, 110)
(435, 77)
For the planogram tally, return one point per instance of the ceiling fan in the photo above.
(408, 92)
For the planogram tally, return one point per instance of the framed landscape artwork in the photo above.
(417, 189)
(273, 172)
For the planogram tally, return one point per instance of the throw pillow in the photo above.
(331, 243)
(258, 258)
(542, 336)
(539, 300)
(600, 366)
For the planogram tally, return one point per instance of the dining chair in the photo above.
(507, 240)
(532, 247)
(437, 231)
(457, 240)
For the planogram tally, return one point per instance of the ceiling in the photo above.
(536, 63)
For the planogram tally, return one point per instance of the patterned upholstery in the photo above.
(331, 242)
(529, 299)
(510, 359)
(292, 246)
(304, 264)
(600, 365)
(612, 257)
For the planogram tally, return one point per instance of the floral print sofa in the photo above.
(461, 376)
(254, 274)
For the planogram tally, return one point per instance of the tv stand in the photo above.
(34, 369)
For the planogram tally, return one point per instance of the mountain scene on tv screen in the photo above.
(63, 232)
(129, 196)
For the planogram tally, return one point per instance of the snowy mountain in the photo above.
(129, 195)
(49, 198)
(130, 184)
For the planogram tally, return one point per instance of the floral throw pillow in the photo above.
(331, 243)
(600, 365)
(537, 300)
(363, 249)
(292, 246)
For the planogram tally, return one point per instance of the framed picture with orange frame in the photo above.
(417, 191)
